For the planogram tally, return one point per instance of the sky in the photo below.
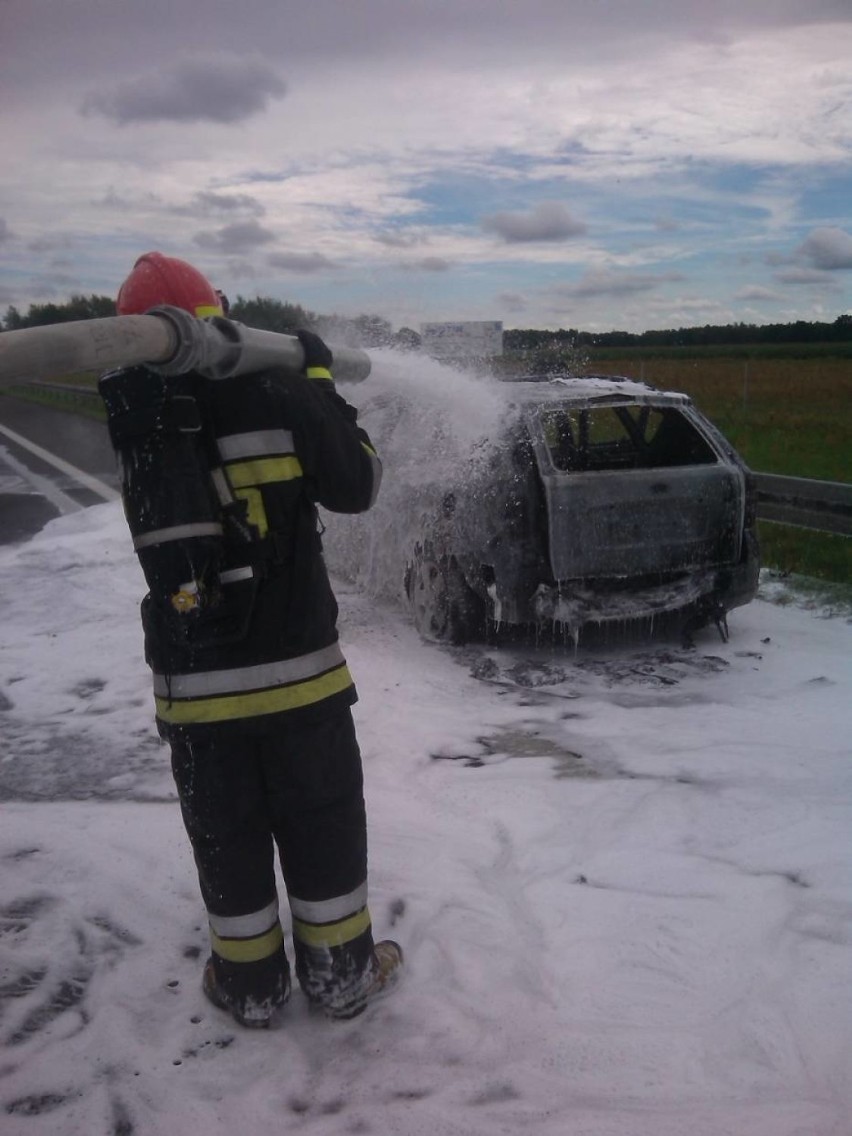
(552, 163)
(621, 877)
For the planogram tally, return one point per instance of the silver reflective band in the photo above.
(249, 678)
(257, 444)
(177, 532)
(220, 484)
(244, 926)
(233, 575)
(330, 910)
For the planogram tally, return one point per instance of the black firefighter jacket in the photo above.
(278, 445)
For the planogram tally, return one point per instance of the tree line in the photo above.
(374, 331)
(261, 312)
(731, 334)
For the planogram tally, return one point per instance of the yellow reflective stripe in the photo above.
(226, 707)
(248, 950)
(318, 373)
(204, 310)
(332, 934)
(264, 471)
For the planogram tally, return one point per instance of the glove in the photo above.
(317, 354)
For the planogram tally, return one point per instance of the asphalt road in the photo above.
(52, 462)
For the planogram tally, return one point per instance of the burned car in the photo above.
(604, 500)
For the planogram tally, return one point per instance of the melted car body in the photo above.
(603, 500)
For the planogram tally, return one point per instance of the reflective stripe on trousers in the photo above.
(324, 924)
(246, 692)
(331, 922)
(246, 938)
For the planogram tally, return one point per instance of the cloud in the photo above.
(208, 202)
(756, 292)
(603, 282)
(125, 203)
(548, 221)
(397, 240)
(829, 249)
(300, 262)
(235, 238)
(50, 243)
(429, 264)
(56, 285)
(242, 269)
(204, 203)
(265, 177)
(803, 276)
(218, 88)
(512, 302)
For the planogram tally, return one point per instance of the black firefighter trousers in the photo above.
(298, 788)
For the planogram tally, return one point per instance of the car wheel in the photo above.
(444, 607)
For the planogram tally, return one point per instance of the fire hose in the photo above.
(167, 340)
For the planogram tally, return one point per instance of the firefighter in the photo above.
(221, 480)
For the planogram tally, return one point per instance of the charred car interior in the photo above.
(604, 501)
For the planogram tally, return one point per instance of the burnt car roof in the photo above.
(589, 390)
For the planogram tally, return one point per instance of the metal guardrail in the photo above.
(60, 388)
(822, 505)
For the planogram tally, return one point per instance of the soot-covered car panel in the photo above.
(604, 500)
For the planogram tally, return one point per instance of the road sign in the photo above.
(467, 339)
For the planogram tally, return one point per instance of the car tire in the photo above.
(444, 608)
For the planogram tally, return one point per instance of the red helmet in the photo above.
(158, 279)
